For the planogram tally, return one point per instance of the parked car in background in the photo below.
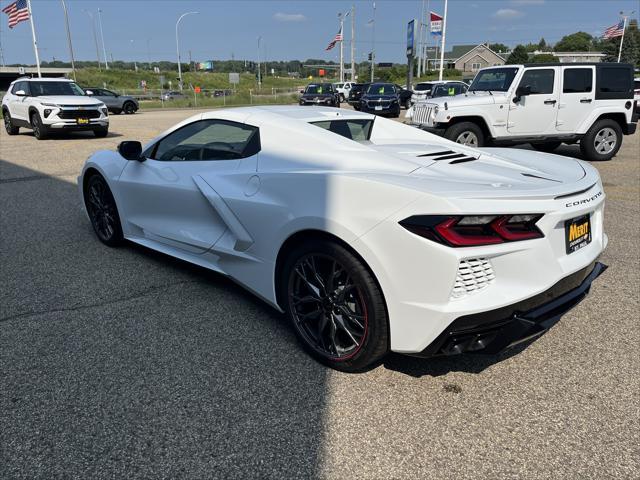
(541, 104)
(422, 90)
(47, 105)
(355, 93)
(173, 95)
(320, 94)
(343, 90)
(115, 102)
(449, 89)
(381, 99)
(405, 96)
(636, 98)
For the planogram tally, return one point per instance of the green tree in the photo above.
(544, 58)
(498, 47)
(542, 45)
(630, 48)
(576, 42)
(518, 55)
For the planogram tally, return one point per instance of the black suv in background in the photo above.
(320, 94)
(355, 93)
(381, 99)
(405, 96)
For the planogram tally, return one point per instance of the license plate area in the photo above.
(82, 121)
(378, 107)
(577, 233)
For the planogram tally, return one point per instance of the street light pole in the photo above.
(104, 49)
(66, 23)
(135, 65)
(178, 46)
(624, 27)
(95, 37)
(373, 50)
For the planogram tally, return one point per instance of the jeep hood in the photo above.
(467, 99)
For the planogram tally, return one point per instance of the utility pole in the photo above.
(444, 35)
(149, 53)
(353, 43)
(342, 16)
(104, 49)
(373, 49)
(95, 37)
(135, 64)
(66, 23)
(33, 36)
(421, 25)
(427, 28)
(190, 62)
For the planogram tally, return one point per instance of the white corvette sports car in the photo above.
(369, 234)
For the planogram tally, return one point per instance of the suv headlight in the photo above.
(436, 109)
(105, 110)
(55, 105)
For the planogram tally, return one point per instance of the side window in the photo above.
(577, 80)
(540, 81)
(20, 86)
(107, 93)
(614, 80)
(209, 140)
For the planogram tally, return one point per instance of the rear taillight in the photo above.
(474, 230)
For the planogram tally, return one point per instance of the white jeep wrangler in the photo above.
(541, 104)
(46, 105)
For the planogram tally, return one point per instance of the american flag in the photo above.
(18, 11)
(336, 39)
(614, 30)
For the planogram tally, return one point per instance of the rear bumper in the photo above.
(497, 330)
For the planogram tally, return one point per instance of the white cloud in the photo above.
(289, 17)
(508, 14)
(527, 2)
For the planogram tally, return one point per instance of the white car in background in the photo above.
(343, 90)
(369, 234)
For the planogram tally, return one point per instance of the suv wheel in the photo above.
(39, 130)
(602, 141)
(465, 133)
(407, 103)
(8, 124)
(546, 147)
(335, 305)
(129, 108)
(342, 97)
(101, 132)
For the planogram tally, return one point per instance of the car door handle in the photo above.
(585, 100)
(550, 102)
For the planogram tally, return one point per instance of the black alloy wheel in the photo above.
(102, 210)
(336, 306)
(129, 108)
(8, 124)
(39, 130)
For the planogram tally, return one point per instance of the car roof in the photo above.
(275, 113)
(43, 79)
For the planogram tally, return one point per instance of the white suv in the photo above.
(343, 90)
(541, 104)
(46, 105)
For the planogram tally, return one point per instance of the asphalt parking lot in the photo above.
(124, 363)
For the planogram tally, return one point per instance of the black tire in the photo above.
(407, 104)
(352, 330)
(8, 124)
(129, 108)
(462, 130)
(342, 99)
(101, 132)
(356, 107)
(103, 211)
(39, 130)
(546, 147)
(594, 144)
(116, 111)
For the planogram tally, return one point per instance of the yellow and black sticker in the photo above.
(577, 233)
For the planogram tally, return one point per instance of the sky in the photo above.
(145, 29)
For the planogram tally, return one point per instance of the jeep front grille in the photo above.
(422, 114)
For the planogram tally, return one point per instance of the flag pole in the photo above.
(624, 26)
(33, 35)
(444, 34)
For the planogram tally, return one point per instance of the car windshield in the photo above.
(421, 87)
(445, 90)
(381, 89)
(39, 89)
(496, 79)
(358, 130)
(318, 89)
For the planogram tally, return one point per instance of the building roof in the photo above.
(459, 50)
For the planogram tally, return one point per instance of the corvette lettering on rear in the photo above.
(584, 200)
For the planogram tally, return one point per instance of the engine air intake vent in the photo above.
(455, 157)
(473, 275)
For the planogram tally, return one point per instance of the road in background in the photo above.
(126, 363)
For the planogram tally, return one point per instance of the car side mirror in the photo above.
(89, 92)
(522, 91)
(131, 150)
(21, 93)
